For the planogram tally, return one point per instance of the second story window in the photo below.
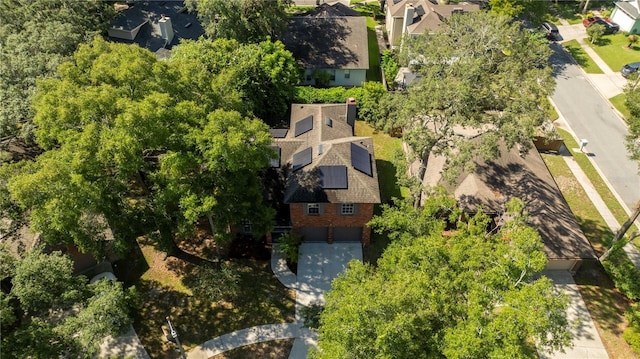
(347, 208)
(313, 208)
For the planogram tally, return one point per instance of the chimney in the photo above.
(166, 29)
(351, 111)
(409, 10)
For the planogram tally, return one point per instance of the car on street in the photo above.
(610, 27)
(550, 30)
(630, 68)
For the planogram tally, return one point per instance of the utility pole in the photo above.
(174, 335)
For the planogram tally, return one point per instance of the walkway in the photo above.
(318, 265)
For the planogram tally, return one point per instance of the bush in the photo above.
(595, 32)
(624, 274)
(390, 67)
(339, 94)
(632, 333)
(289, 244)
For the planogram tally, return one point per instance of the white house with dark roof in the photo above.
(416, 17)
(330, 181)
(330, 40)
(627, 15)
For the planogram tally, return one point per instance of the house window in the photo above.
(308, 77)
(347, 209)
(333, 75)
(313, 208)
(347, 74)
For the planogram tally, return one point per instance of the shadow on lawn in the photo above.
(598, 235)
(605, 303)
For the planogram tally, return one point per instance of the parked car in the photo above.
(630, 68)
(551, 31)
(610, 27)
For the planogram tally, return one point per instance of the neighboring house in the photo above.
(155, 25)
(627, 15)
(405, 77)
(416, 17)
(329, 177)
(330, 43)
(526, 177)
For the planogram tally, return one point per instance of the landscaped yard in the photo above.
(585, 61)
(167, 289)
(614, 51)
(568, 10)
(604, 302)
(618, 103)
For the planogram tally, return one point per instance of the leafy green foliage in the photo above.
(624, 274)
(632, 102)
(528, 9)
(467, 81)
(338, 94)
(289, 243)
(36, 37)
(632, 333)
(57, 313)
(389, 66)
(43, 281)
(311, 315)
(464, 294)
(595, 32)
(243, 20)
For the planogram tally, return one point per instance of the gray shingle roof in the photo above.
(629, 9)
(328, 42)
(330, 146)
(428, 17)
(527, 178)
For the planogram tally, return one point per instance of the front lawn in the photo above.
(168, 288)
(614, 51)
(618, 102)
(585, 61)
(605, 302)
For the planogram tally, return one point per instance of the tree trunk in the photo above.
(213, 235)
(586, 5)
(621, 232)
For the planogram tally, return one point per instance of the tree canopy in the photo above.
(130, 139)
(480, 72)
(632, 101)
(36, 36)
(57, 313)
(246, 21)
(463, 293)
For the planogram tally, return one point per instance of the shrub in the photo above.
(624, 274)
(289, 244)
(339, 94)
(390, 67)
(632, 333)
(595, 32)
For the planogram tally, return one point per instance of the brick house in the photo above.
(329, 182)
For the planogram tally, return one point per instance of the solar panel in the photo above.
(361, 159)
(333, 177)
(301, 159)
(278, 132)
(304, 125)
(275, 162)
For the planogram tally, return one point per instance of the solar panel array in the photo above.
(303, 126)
(301, 159)
(333, 177)
(361, 159)
(275, 162)
(278, 132)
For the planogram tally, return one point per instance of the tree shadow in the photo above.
(387, 180)
(605, 303)
(579, 56)
(598, 235)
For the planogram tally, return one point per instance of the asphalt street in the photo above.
(591, 118)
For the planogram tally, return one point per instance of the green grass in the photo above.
(601, 187)
(581, 57)
(614, 51)
(373, 73)
(618, 103)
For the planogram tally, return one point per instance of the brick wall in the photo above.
(330, 217)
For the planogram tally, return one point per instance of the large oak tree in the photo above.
(464, 293)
